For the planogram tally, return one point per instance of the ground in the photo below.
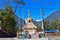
(46, 38)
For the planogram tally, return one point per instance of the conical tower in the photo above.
(30, 27)
(29, 19)
(28, 13)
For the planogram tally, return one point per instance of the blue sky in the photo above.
(35, 8)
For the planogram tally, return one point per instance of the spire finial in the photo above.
(28, 13)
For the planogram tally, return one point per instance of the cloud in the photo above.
(38, 20)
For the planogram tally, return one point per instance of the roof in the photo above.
(51, 31)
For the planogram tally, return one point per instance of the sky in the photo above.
(49, 6)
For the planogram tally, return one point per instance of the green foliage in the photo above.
(39, 28)
(46, 25)
(16, 29)
(8, 21)
(54, 24)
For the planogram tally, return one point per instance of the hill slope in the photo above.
(54, 15)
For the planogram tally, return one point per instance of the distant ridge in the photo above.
(18, 19)
(54, 15)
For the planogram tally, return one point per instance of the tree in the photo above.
(46, 25)
(7, 18)
(1, 15)
(54, 24)
(2, 18)
(59, 25)
(10, 22)
(39, 28)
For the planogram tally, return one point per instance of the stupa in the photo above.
(29, 26)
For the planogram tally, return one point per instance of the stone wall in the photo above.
(50, 34)
(53, 34)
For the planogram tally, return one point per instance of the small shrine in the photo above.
(29, 29)
(29, 26)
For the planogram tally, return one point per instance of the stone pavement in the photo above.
(46, 38)
(23, 39)
(53, 38)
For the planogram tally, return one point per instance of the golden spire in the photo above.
(28, 13)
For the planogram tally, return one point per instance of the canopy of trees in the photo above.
(50, 25)
(54, 24)
(7, 20)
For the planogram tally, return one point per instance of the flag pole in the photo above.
(42, 14)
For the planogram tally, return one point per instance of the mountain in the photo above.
(37, 23)
(54, 15)
(19, 20)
